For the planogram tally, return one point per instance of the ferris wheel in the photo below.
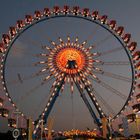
(45, 54)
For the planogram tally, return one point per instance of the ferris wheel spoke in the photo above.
(38, 44)
(46, 37)
(111, 89)
(40, 63)
(42, 55)
(90, 37)
(48, 78)
(21, 51)
(22, 65)
(100, 42)
(41, 104)
(108, 107)
(108, 87)
(43, 35)
(109, 51)
(113, 75)
(31, 91)
(35, 43)
(31, 41)
(113, 63)
(24, 78)
(43, 71)
(27, 94)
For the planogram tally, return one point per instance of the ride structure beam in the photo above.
(57, 89)
(44, 116)
(89, 89)
(94, 101)
(96, 120)
(72, 65)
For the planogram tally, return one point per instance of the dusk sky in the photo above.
(67, 113)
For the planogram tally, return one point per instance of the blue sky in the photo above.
(126, 13)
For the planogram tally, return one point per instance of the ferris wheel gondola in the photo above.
(138, 98)
(12, 122)
(1, 102)
(121, 129)
(136, 107)
(131, 117)
(4, 112)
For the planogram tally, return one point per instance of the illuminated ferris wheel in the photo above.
(45, 54)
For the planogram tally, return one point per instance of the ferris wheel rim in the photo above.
(133, 71)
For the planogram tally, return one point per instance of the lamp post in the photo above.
(16, 132)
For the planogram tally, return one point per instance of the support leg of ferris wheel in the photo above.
(49, 105)
(56, 92)
(30, 128)
(94, 101)
(50, 125)
(88, 88)
(96, 120)
(105, 121)
(138, 123)
(57, 88)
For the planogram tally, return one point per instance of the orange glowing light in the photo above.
(70, 54)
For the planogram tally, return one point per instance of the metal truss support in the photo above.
(44, 116)
(96, 120)
(52, 99)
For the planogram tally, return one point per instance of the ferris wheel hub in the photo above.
(69, 52)
(70, 55)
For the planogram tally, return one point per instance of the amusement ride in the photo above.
(74, 50)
